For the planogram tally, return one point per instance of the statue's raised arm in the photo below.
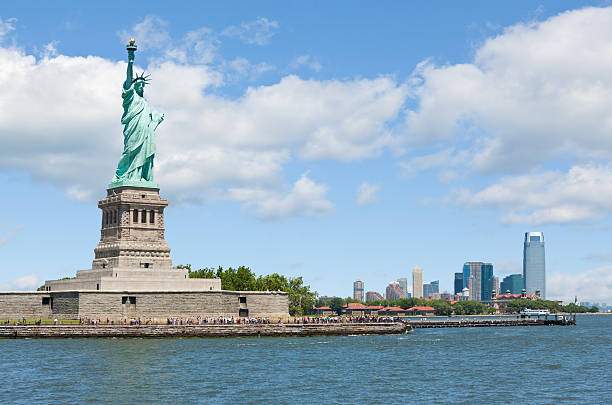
(131, 48)
(140, 121)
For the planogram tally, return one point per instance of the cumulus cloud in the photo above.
(60, 122)
(582, 193)
(537, 91)
(27, 282)
(257, 32)
(366, 193)
(591, 285)
(306, 198)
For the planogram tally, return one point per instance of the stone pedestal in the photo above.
(132, 234)
(132, 254)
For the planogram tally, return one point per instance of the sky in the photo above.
(333, 141)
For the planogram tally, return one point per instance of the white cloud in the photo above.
(6, 26)
(366, 193)
(257, 32)
(306, 60)
(306, 198)
(60, 122)
(503, 268)
(150, 33)
(440, 159)
(27, 282)
(8, 232)
(591, 285)
(536, 92)
(582, 193)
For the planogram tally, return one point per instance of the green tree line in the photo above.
(301, 299)
(518, 305)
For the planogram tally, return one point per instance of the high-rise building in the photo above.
(417, 282)
(496, 285)
(358, 290)
(373, 296)
(534, 266)
(458, 283)
(431, 288)
(478, 278)
(394, 292)
(403, 283)
(513, 283)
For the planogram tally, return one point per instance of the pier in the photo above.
(480, 323)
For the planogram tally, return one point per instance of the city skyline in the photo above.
(296, 142)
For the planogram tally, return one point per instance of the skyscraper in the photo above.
(513, 283)
(431, 288)
(478, 278)
(394, 292)
(374, 296)
(534, 267)
(458, 283)
(403, 283)
(358, 290)
(417, 282)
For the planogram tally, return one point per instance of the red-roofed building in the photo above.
(425, 311)
(499, 301)
(392, 311)
(323, 311)
(358, 309)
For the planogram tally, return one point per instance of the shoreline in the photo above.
(222, 330)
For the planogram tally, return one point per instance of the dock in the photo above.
(480, 323)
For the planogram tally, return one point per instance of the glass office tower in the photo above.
(458, 283)
(534, 267)
(513, 283)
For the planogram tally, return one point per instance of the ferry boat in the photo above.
(534, 312)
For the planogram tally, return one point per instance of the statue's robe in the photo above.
(140, 122)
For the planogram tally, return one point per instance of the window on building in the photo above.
(133, 300)
(45, 301)
(135, 218)
(143, 217)
(243, 312)
(124, 300)
(146, 265)
(242, 300)
(152, 217)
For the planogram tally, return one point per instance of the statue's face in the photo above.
(139, 87)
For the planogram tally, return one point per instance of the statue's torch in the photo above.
(131, 48)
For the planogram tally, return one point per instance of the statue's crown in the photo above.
(142, 78)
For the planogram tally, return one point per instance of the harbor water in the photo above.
(538, 365)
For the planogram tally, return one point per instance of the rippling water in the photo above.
(471, 365)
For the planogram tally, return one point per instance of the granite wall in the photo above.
(156, 305)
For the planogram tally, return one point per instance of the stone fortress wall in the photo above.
(143, 304)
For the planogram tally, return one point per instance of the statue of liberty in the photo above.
(140, 121)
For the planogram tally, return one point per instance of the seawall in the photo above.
(223, 330)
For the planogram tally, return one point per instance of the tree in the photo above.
(336, 305)
(594, 309)
(207, 272)
(442, 307)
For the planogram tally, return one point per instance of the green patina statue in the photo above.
(140, 121)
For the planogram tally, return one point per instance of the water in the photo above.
(539, 365)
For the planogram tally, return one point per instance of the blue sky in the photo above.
(333, 141)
